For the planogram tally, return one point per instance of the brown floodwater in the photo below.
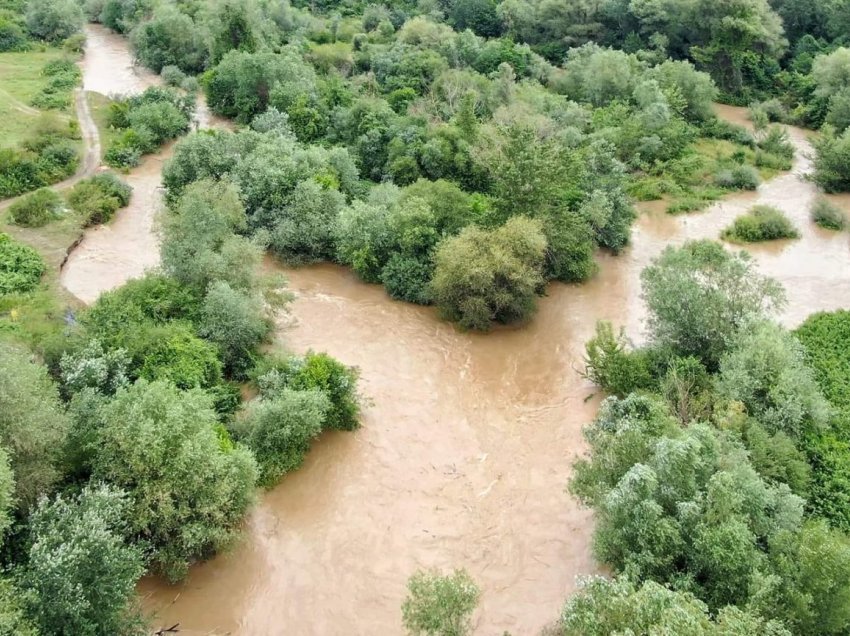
(110, 255)
(467, 439)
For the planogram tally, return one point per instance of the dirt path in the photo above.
(91, 148)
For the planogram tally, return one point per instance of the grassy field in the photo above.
(20, 81)
(99, 105)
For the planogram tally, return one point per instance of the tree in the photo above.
(80, 573)
(765, 369)
(200, 242)
(699, 295)
(188, 485)
(831, 161)
(242, 83)
(604, 607)
(482, 277)
(236, 321)
(54, 20)
(169, 38)
(33, 424)
(480, 16)
(281, 429)
(438, 605)
(739, 38)
(305, 229)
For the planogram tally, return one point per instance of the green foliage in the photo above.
(80, 573)
(200, 243)
(765, 369)
(831, 161)
(827, 215)
(13, 618)
(95, 368)
(483, 277)
(21, 267)
(236, 322)
(168, 38)
(33, 424)
(242, 83)
(63, 76)
(36, 209)
(146, 121)
(280, 430)
(438, 605)
(603, 607)
(738, 178)
(53, 20)
(610, 365)
(699, 295)
(172, 352)
(187, 493)
(304, 230)
(826, 338)
(761, 223)
(97, 198)
(318, 372)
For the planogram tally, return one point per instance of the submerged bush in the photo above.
(832, 161)
(483, 277)
(21, 267)
(36, 209)
(281, 428)
(98, 198)
(827, 215)
(761, 223)
(738, 178)
(438, 605)
(611, 366)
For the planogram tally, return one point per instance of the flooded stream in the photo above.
(467, 441)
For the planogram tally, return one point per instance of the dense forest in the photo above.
(462, 154)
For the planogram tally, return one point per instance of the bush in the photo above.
(439, 605)
(482, 277)
(738, 178)
(36, 209)
(832, 161)
(98, 198)
(281, 429)
(761, 223)
(173, 352)
(21, 267)
(827, 215)
(12, 36)
(610, 366)
(172, 75)
(319, 371)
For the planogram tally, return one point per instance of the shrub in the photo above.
(761, 223)
(438, 605)
(832, 161)
(602, 607)
(21, 267)
(740, 177)
(36, 209)
(98, 198)
(827, 215)
(12, 36)
(319, 371)
(482, 277)
(609, 364)
(172, 352)
(172, 75)
(281, 429)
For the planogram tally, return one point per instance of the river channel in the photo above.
(467, 440)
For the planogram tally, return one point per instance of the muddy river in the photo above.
(467, 441)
